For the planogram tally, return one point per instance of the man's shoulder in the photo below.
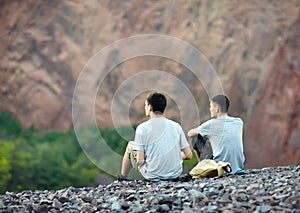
(236, 120)
(209, 121)
(173, 123)
(143, 125)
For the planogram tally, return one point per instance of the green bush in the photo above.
(53, 160)
(9, 125)
(5, 164)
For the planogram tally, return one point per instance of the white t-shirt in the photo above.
(162, 141)
(226, 137)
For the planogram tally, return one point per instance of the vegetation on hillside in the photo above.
(30, 160)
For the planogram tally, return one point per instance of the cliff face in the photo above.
(45, 45)
(37, 61)
(273, 133)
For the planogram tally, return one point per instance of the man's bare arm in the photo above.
(187, 153)
(192, 132)
(140, 157)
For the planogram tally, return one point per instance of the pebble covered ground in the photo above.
(275, 189)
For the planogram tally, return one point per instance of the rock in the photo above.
(281, 197)
(30, 208)
(47, 202)
(219, 186)
(1, 204)
(202, 185)
(87, 199)
(242, 197)
(164, 199)
(186, 186)
(116, 206)
(177, 202)
(63, 199)
(137, 208)
(211, 208)
(212, 192)
(264, 208)
(164, 208)
(228, 194)
(196, 195)
(284, 131)
(253, 186)
(142, 192)
(131, 197)
(87, 207)
(124, 205)
(42, 208)
(13, 208)
(182, 193)
(57, 204)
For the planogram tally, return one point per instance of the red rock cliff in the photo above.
(45, 44)
(273, 132)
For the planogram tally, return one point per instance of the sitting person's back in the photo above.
(159, 145)
(162, 141)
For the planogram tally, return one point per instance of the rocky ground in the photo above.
(266, 190)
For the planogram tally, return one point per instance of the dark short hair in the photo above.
(223, 101)
(158, 102)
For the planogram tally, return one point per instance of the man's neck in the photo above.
(221, 114)
(153, 115)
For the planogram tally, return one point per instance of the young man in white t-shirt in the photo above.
(225, 134)
(159, 146)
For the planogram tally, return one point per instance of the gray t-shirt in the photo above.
(162, 141)
(226, 137)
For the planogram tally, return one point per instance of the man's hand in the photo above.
(187, 154)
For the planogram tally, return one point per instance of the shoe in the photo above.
(184, 178)
(227, 168)
(240, 172)
(122, 178)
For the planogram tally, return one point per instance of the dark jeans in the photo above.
(202, 146)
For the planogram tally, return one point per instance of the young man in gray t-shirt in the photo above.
(225, 134)
(159, 146)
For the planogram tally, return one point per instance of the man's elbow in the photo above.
(192, 133)
(140, 162)
(189, 156)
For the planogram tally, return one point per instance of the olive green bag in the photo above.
(208, 168)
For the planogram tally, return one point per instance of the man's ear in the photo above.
(218, 108)
(151, 109)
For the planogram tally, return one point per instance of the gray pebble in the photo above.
(268, 190)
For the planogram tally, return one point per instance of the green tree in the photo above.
(6, 149)
(33, 160)
(49, 167)
(22, 168)
(10, 127)
(83, 172)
